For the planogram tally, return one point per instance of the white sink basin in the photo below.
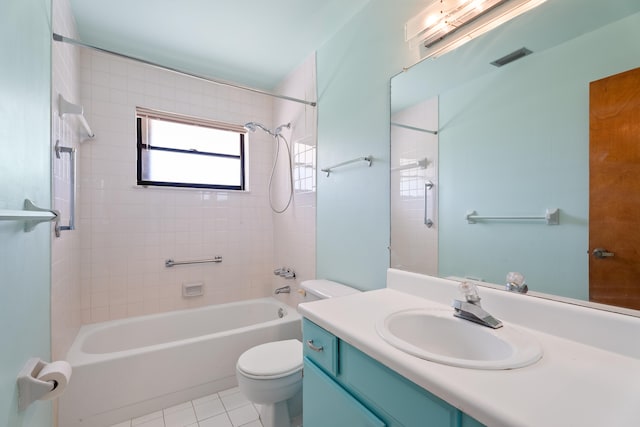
(438, 336)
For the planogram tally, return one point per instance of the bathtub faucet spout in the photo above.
(283, 290)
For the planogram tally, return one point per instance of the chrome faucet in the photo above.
(283, 290)
(470, 308)
(515, 283)
(285, 272)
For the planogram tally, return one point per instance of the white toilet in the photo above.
(271, 374)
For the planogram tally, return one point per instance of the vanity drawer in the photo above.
(320, 346)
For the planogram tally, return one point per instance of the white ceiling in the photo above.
(251, 42)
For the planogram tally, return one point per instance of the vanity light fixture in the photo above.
(448, 24)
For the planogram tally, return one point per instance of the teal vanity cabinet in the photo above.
(343, 387)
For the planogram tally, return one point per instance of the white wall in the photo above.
(414, 246)
(354, 68)
(524, 154)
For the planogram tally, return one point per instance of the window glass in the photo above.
(180, 151)
(191, 169)
(164, 133)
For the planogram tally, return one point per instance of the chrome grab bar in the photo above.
(428, 186)
(72, 187)
(170, 263)
(313, 347)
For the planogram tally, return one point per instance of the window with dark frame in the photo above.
(181, 151)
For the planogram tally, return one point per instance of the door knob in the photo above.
(602, 253)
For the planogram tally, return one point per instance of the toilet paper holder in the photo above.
(30, 388)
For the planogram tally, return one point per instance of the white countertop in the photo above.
(574, 384)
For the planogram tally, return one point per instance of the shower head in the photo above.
(252, 126)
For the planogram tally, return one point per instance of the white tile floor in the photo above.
(227, 408)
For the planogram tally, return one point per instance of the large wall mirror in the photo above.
(513, 142)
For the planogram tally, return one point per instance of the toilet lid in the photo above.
(273, 359)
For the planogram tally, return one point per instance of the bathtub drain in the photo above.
(281, 313)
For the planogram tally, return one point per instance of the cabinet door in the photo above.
(328, 404)
(391, 394)
(467, 421)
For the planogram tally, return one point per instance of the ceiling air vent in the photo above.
(513, 56)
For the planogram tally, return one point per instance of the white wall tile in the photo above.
(68, 304)
(132, 231)
(294, 230)
(112, 266)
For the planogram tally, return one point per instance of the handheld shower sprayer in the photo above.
(277, 134)
(279, 128)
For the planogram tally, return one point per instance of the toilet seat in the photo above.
(271, 360)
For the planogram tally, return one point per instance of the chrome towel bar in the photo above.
(551, 216)
(417, 129)
(32, 215)
(416, 164)
(170, 263)
(368, 159)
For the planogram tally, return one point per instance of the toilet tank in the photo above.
(323, 289)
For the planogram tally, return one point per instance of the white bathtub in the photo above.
(131, 367)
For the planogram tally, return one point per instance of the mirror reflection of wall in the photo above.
(414, 184)
(514, 140)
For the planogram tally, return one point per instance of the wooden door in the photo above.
(614, 197)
